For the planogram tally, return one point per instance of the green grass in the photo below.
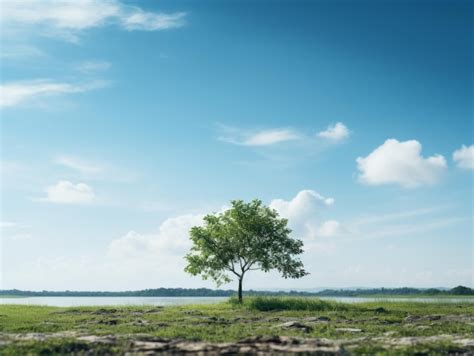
(291, 303)
(230, 321)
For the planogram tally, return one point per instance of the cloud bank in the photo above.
(401, 163)
(66, 19)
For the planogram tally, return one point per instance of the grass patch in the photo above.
(265, 304)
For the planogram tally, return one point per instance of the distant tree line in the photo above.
(459, 290)
(205, 292)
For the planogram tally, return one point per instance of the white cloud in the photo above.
(138, 261)
(172, 239)
(65, 192)
(77, 14)
(164, 249)
(15, 93)
(464, 157)
(304, 204)
(304, 218)
(141, 20)
(330, 228)
(67, 18)
(77, 164)
(88, 67)
(337, 132)
(7, 224)
(131, 245)
(400, 163)
(260, 138)
(270, 137)
(21, 52)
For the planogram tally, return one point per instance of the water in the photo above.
(164, 301)
(104, 301)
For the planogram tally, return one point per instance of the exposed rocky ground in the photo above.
(329, 329)
(261, 345)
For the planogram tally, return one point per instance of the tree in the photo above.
(246, 237)
(461, 290)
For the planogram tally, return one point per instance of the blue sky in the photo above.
(123, 122)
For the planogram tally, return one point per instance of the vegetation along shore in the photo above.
(205, 292)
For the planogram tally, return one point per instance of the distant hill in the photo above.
(205, 292)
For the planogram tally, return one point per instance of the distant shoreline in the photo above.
(368, 296)
(459, 291)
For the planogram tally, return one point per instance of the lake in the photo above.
(166, 301)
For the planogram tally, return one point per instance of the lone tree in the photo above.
(247, 237)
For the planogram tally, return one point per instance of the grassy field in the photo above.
(377, 327)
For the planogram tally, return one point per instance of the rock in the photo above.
(191, 347)
(465, 342)
(435, 317)
(349, 330)
(140, 322)
(103, 311)
(215, 320)
(317, 319)
(388, 322)
(109, 339)
(280, 318)
(270, 345)
(411, 318)
(108, 322)
(261, 338)
(147, 346)
(296, 325)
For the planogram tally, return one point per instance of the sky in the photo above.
(124, 122)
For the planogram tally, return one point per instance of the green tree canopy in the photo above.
(246, 237)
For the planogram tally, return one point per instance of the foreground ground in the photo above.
(262, 325)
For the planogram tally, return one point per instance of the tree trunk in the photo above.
(240, 290)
